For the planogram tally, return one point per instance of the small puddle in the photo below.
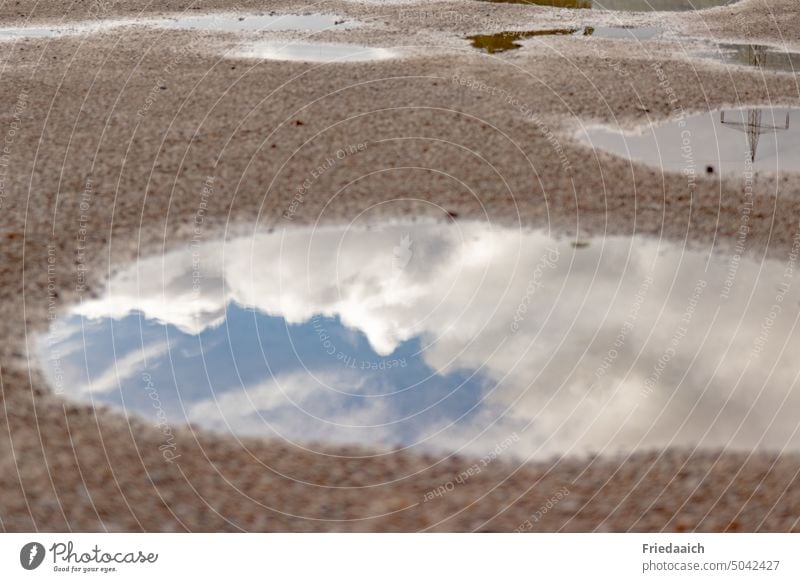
(554, 3)
(443, 337)
(730, 142)
(237, 22)
(625, 5)
(507, 40)
(72, 29)
(215, 22)
(622, 32)
(759, 56)
(658, 5)
(310, 52)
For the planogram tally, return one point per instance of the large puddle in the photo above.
(445, 337)
(626, 5)
(733, 142)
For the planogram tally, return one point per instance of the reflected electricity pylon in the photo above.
(753, 127)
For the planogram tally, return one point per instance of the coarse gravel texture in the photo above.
(133, 123)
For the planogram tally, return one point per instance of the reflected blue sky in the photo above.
(256, 374)
(445, 337)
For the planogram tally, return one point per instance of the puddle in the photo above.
(237, 22)
(554, 3)
(73, 29)
(626, 5)
(622, 32)
(730, 142)
(310, 52)
(458, 337)
(216, 22)
(762, 57)
(507, 40)
(658, 5)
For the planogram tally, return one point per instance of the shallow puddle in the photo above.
(622, 32)
(554, 3)
(237, 22)
(625, 5)
(658, 5)
(214, 22)
(731, 142)
(507, 40)
(310, 52)
(444, 337)
(759, 56)
(71, 29)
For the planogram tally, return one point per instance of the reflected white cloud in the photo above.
(123, 369)
(286, 399)
(451, 337)
(313, 52)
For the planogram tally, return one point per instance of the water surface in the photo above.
(67, 29)
(214, 22)
(622, 32)
(442, 338)
(250, 22)
(316, 52)
(508, 40)
(733, 142)
(758, 56)
(625, 5)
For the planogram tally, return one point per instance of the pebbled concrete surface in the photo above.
(115, 135)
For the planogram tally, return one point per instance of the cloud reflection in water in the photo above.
(446, 338)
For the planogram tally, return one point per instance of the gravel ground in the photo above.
(115, 135)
